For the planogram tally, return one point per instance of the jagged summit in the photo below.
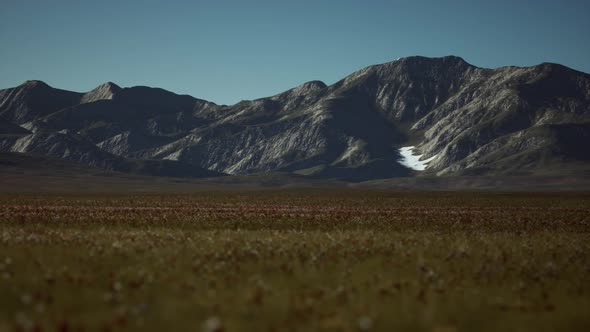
(104, 91)
(109, 85)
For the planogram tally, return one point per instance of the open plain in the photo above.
(295, 259)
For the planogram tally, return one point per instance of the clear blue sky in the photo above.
(225, 51)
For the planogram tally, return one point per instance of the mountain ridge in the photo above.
(470, 119)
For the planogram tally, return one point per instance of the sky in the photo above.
(227, 51)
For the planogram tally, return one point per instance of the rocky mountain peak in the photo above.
(33, 99)
(313, 85)
(307, 87)
(104, 91)
(35, 84)
(421, 64)
(109, 85)
(409, 68)
(418, 59)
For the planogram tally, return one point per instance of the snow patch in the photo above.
(410, 160)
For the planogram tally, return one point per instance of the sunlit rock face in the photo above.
(414, 116)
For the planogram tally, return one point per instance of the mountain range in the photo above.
(415, 116)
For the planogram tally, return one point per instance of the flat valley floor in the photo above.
(295, 260)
